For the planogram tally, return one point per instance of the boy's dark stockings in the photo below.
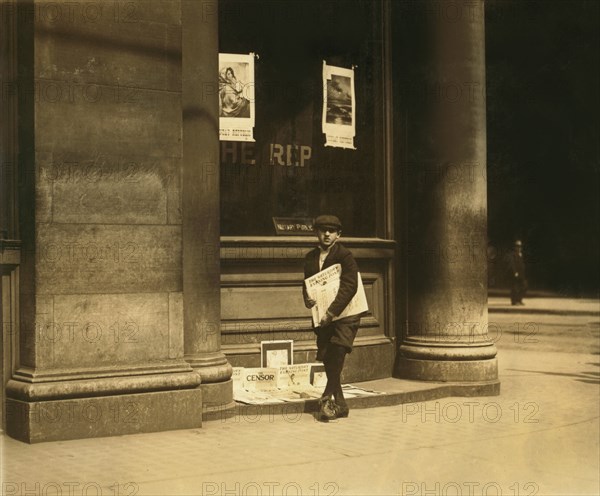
(334, 363)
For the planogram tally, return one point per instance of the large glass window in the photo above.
(288, 172)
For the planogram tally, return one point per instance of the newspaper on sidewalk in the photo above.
(323, 288)
(285, 384)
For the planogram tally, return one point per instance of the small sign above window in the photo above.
(293, 226)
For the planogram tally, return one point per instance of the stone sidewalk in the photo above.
(540, 436)
(551, 305)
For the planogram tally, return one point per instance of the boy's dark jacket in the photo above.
(338, 253)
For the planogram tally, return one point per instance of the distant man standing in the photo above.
(334, 338)
(517, 273)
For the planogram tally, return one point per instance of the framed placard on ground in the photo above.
(277, 353)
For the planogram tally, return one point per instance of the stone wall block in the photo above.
(88, 331)
(129, 44)
(109, 121)
(88, 259)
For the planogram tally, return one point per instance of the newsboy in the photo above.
(334, 338)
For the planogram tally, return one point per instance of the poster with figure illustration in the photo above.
(339, 106)
(236, 97)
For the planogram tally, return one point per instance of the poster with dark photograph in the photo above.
(339, 106)
(339, 100)
(236, 97)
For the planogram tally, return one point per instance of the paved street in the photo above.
(545, 324)
(539, 437)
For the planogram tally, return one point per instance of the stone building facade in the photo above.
(138, 256)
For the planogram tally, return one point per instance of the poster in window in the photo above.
(339, 106)
(236, 97)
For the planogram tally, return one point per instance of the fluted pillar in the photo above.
(443, 193)
(200, 202)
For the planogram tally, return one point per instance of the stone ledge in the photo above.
(21, 389)
(397, 392)
(41, 421)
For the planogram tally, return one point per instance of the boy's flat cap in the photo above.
(328, 221)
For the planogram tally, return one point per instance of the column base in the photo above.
(212, 367)
(217, 386)
(447, 370)
(77, 418)
(217, 399)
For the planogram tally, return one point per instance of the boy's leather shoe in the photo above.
(341, 411)
(327, 409)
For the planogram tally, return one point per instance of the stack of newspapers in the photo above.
(285, 384)
(323, 288)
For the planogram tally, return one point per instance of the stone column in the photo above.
(444, 198)
(201, 220)
(100, 345)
